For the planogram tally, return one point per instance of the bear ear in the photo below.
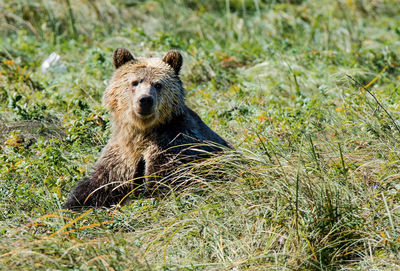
(174, 59)
(121, 56)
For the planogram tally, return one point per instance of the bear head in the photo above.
(144, 92)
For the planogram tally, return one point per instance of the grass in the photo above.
(306, 91)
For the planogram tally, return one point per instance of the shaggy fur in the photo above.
(148, 141)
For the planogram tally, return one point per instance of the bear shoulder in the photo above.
(188, 130)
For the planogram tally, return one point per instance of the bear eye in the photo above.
(158, 86)
(135, 83)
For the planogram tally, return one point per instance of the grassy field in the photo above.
(306, 91)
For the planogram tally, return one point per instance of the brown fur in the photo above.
(144, 147)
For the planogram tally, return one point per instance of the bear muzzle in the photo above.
(145, 105)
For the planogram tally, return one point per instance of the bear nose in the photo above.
(146, 101)
(146, 105)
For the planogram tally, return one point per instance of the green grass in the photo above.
(313, 182)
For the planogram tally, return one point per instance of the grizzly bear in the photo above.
(153, 131)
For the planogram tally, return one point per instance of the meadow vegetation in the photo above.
(306, 91)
